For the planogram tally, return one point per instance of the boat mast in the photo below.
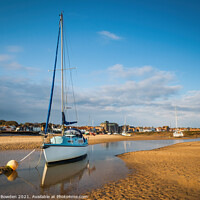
(176, 119)
(124, 125)
(62, 88)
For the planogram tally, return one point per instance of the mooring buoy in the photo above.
(13, 164)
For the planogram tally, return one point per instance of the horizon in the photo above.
(135, 60)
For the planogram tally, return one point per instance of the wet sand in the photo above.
(20, 142)
(171, 172)
(32, 142)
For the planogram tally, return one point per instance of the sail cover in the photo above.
(65, 122)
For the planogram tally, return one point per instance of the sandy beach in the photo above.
(171, 172)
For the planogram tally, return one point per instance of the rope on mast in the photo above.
(69, 63)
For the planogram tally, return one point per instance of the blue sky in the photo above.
(134, 58)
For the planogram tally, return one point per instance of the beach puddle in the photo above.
(98, 168)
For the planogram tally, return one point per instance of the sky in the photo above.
(134, 59)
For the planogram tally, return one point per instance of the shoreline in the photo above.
(170, 172)
(16, 142)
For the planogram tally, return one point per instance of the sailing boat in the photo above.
(124, 133)
(177, 132)
(71, 144)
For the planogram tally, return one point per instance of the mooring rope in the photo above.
(27, 156)
(39, 159)
(13, 164)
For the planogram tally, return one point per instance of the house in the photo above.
(148, 129)
(165, 128)
(132, 129)
(36, 129)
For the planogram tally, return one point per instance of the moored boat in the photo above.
(70, 144)
(177, 132)
(125, 133)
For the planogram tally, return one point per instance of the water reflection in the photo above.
(125, 146)
(11, 175)
(65, 177)
(109, 144)
(65, 173)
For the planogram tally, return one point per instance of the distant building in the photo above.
(132, 129)
(165, 128)
(98, 128)
(104, 125)
(194, 129)
(109, 127)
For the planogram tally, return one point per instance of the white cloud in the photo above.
(109, 35)
(22, 100)
(189, 102)
(17, 66)
(119, 70)
(8, 61)
(148, 90)
(130, 93)
(14, 48)
(5, 57)
(14, 66)
(148, 101)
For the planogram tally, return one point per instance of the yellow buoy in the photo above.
(13, 164)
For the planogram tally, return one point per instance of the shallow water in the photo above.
(99, 167)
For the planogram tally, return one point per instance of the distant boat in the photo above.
(56, 130)
(124, 133)
(177, 132)
(70, 144)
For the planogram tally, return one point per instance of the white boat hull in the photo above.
(61, 153)
(126, 134)
(178, 135)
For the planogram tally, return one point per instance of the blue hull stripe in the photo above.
(62, 145)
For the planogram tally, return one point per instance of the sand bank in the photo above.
(32, 142)
(171, 172)
(20, 142)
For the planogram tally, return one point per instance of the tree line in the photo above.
(16, 124)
